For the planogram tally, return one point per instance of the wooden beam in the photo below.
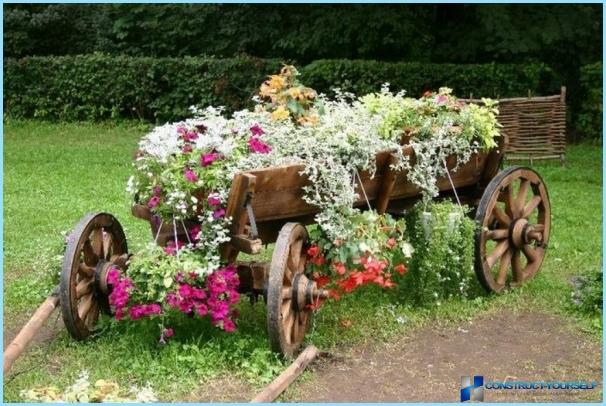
(28, 332)
(274, 389)
(389, 181)
(242, 187)
(244, 244)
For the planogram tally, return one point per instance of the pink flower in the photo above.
(171, 248)
(157, 190)
(214, 201)
(190, 175)
(217, 214)
(441, 99)
(181, 130)
(194, 232)
(229, 326)
(153, 202)
(168, 332)
(187, 149)
(256, 130)
(258, 146)
(190, 136)
(208, 159)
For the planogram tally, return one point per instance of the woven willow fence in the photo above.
(534, 127)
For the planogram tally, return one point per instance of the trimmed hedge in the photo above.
(481, 80)
(91, 87)
(97, 86)
(589, 118)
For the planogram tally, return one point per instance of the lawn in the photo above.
(55, 173)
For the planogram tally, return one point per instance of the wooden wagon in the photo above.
(511, 207)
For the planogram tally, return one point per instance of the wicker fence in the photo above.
(534, 127)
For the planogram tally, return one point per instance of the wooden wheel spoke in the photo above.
(90, 258)
(521, 199)
(85, 306)
(538, 227)
(286, 293)
(504, 267)
(516, 263)
(532, 204)
(502, 217)
(294, 255)
(84, 287)
(107, 244)
(97, 242)
(497, 253)
(500, 234)
(510, 203)
(85, 270)
(530, 253)
(119, 260)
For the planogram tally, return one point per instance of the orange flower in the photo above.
(401, 269)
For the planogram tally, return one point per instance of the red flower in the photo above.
(322, 281)
(313, 251)
(401, 269)
(339, 267)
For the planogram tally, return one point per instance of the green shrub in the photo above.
(442, 263)
(98, 86)
(481, 80)
(588, 292)
(589, 117)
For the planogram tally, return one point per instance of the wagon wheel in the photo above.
(96, 245)
(287, 315)
(515, 218)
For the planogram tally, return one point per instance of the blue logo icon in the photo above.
(472, 390)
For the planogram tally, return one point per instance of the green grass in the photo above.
(55, 173)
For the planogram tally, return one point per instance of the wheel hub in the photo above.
(305, 292)
(522, 232)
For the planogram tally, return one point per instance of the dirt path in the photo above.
(428, 365)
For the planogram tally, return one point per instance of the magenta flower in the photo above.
(217, 214)
(258, 146)
(153, 202)
(181, 130)
(214, 201)
(208, 159)
(190, 175)
(171, 248)
(187, 149)
(194, 232)
(157, 190)
(168, 332)
(190, 136)
(256, 130)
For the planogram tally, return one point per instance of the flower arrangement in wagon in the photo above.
(183, 173)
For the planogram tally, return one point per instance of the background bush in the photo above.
(97, 86)
(483, 80)
(589, 119)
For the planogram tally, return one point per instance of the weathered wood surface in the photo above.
(28, 332)
(279, 190)
(274, 389)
